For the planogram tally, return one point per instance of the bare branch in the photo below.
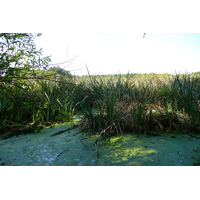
(64, 62)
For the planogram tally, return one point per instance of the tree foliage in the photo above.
(60, 71)
(17, 50)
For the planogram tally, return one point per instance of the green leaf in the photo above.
(11, 48)
(21, 35)
(7, 57)
(16, 42)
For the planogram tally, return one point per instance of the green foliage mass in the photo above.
(32, 95)
(60, 71)
(142, 104)
(19, 50)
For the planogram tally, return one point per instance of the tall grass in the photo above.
(25, 103)
(189, 95)
(142, 104)
(109, 105)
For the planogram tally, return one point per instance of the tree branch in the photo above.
(64, 62)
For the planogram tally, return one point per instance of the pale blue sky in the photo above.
(106, 53)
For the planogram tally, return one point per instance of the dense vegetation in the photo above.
(143, 104)
(33, 95)
(30, 94)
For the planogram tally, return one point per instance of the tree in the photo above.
(60, 71)
(19, 51)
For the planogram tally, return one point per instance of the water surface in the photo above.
(65, 149)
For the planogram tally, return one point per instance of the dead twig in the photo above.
(62, 152)
(192, 136)
(84, 139)
(59, 132)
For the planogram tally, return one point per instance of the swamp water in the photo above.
(66, 149)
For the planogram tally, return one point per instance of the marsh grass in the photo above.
(109, 105)
(189, 95)
(26, 103)
(142, 104)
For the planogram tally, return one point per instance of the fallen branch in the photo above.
(59, 132)
(192, 136)
(62, 152)
(84, 139)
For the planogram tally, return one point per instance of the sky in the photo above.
(107, 35)
(110, 53)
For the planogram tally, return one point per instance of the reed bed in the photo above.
(29, 103)
(109, 105)
(141, 104)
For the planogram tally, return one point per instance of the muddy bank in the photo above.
(65, 149)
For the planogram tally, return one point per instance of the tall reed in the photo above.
(109, 104)
(25, 102)
(142, 104)
(189, 94)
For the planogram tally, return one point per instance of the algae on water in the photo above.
(66, 149)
